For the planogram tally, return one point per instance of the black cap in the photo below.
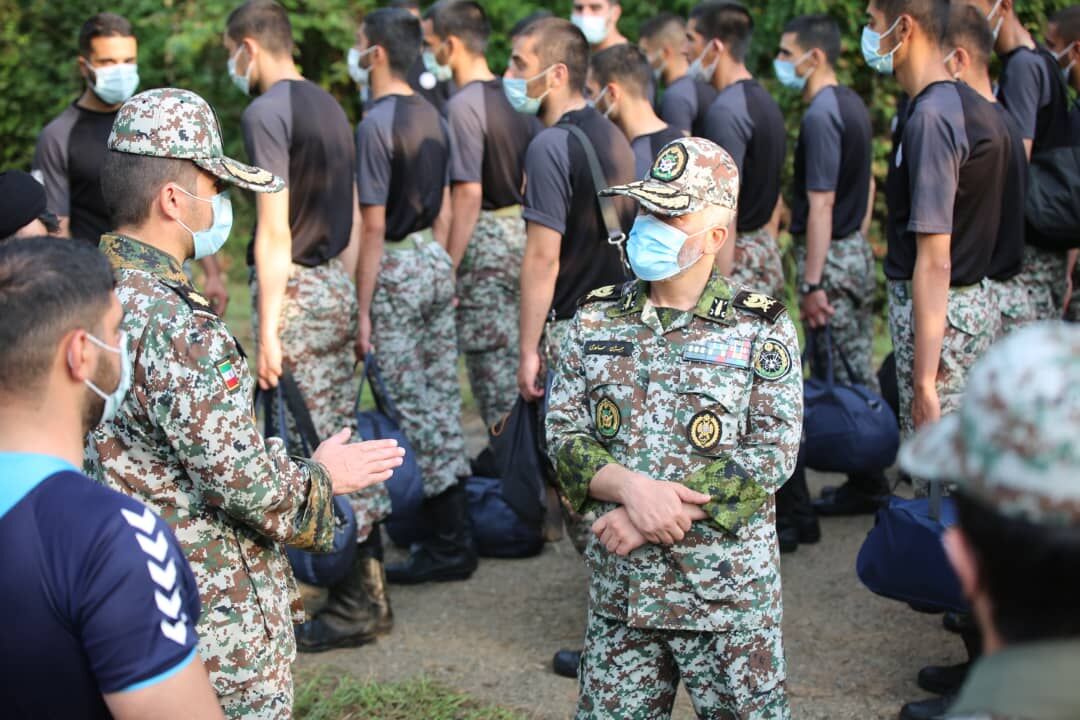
(22, 200)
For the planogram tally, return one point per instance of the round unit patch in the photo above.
(774, 361)
(608, 418)
(670, 164)
(704, 430)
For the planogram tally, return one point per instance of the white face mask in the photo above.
(113, 399)
(997, 27)
(1065, 71)
(593, 27)
(699, 71)
(242, 82)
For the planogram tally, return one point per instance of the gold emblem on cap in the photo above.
(704, 431)
(253, 175)
(671, 163)
(608, 418)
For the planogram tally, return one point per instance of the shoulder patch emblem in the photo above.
(670, 164)
(774, 360)
(192, 298)
(759, 304)
(608, 292)
(608, 418)
(704, 430)
(228, 374)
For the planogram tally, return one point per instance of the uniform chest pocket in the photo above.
(709, 407)
(613, 396)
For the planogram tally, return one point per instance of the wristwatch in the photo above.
(807, 288)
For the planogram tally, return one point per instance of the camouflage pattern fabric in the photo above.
(1072, 311)
(1044, 274)
(712, 400)
(629, 672)
(849, 283)
(489, 294)
(414, 335)
(971, 320)
(317, 329)
(1014, 302)
(185, 443)
(270, 696)
(757, 263)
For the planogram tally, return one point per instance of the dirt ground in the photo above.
(851, 655)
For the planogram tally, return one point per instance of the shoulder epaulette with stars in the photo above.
(191, 298)
(759, 304)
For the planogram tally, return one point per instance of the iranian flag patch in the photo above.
(228, 374)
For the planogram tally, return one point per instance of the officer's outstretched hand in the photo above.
(355, 466)
(656, 507)
(618, 533)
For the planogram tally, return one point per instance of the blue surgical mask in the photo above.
(113, 399)
(595, 103)
(242, 82)
(871, 46)
(516, 90)
(788, 75)
(209, 241)
(359, 75)
(442, 73)
(113, 84)
(997, 27)
(593, 27)
(699, 71)
(653, 248)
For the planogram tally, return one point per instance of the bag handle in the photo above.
(830, 375)
(379, 391)
(288, 395)
(615, 235)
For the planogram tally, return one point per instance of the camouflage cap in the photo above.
(1014, 441)
(688, 175)
(174, 123)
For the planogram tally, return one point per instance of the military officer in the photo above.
(675, 414)
(184, 440)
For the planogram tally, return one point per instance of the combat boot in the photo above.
(449, 554)
(358, 609)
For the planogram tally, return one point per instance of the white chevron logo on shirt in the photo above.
(165, 577)
(177, 631)
(144, 523)
(157, 548)
(168, 605)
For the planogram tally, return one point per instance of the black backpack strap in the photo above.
(294, 400)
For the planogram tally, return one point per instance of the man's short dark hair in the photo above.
(523, 23)
(559, 41)
(931, 15)
(1067, 22)
(968, 29)
(266, 22)
(665, 23)
(1028, 570)
(729, 22)
(817, 32)
(103, 25)
(130, 183)
(624, 64)
(398, 33)
(48, 287)
(404, 4)
(464, 19)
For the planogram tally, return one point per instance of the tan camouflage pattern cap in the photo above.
(175, 123)
(688, 175)
(1015, 441)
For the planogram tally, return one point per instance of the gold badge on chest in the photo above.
(608, 418)
(704, 431)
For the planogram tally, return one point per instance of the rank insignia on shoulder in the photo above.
(774, 360)
(228, 373)
(718, 308)
(606, 293)
(704, 431)
(621, 348)
(733, 353)
(608, 418)
(192, 298)
(759, 304)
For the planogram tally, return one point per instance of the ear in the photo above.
(1006, 6)
(84, 66)
(963, 560)
(561, 74)
(963, 60)
(616, 14)
(614, 93)
(77, 355)
(716, 238)
(169, 200)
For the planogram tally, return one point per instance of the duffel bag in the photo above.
(498, 530)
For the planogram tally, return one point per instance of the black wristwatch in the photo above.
(807, 288)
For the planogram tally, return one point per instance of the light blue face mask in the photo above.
(997, 27)
(593, 27)
(788, 75)
(516, 90)
(242, 82)
(442, 73)
(699, 71)
(653, 248)
(209, 241)
(359, 75)
(114, 84)
(113, 399)
(871, 46)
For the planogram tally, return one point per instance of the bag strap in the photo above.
(294, 399)
(373, 376)
(936, 491)
(615, 235)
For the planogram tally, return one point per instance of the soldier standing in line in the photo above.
(676, 413)
(685, 100)
(184, 439)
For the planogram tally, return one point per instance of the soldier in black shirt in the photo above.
(617, 84)
(436, 90)
(488, 139)
(685, 99)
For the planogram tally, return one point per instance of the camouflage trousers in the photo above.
(1014, 304)
(971, 320)
(413, 332)
(849, 283)
(634, 673)
(317, 329)
(1044, 276)
(268, 698)
(487, 314)
(757, 263)
(578, 527)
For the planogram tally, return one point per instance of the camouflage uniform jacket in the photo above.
(714, 402)
(185, 442)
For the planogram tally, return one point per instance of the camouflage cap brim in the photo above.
(935, 452)
(658, 197)
(237, 173)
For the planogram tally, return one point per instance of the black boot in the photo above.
(931, 709)
(943, 679)
(566, 663)
(358, 608)
(862, 494)
(796, 521)
(450, 553)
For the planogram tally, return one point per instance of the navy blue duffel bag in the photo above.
(497, 529)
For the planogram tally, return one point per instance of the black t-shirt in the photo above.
(685, 105)
(488, 142)
(560, 194)
(68, 161)
(746, 121)
(403, 161)
(299, 132)
(1008, 257)
(950, 174)
(647, 147)
(96, 596)
(1074, 123)
(1031, 89)
(833, 155)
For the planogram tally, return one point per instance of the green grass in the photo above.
(326, 696)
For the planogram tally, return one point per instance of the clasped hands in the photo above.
(649, 511)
